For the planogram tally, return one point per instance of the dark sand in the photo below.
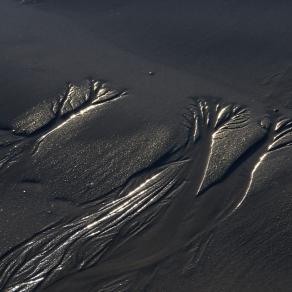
(145, 146)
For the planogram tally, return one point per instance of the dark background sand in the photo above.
(223, 48)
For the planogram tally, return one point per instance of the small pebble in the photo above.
(90, 185)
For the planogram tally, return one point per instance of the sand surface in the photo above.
(145, 146)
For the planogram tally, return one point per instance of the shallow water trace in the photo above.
(224, 144)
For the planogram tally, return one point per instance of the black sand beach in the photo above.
(145, 146)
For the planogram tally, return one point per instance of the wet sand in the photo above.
(145, 146)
